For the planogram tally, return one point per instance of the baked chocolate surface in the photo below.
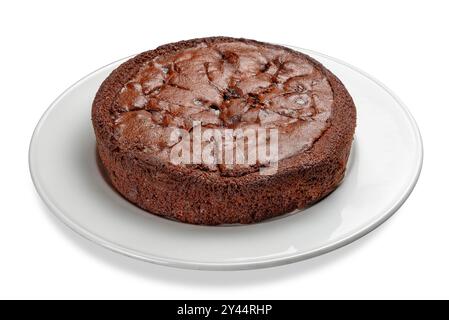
(224, 83)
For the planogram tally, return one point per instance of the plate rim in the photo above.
(233, 265)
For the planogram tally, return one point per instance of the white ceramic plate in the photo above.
(385, 163)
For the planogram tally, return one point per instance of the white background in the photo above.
(46, 46)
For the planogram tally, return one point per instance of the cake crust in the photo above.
(195, 195)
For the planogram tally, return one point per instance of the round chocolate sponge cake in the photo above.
(222, 130)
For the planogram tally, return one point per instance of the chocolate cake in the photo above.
(230, 86)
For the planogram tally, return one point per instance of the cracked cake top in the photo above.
(224, 85)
